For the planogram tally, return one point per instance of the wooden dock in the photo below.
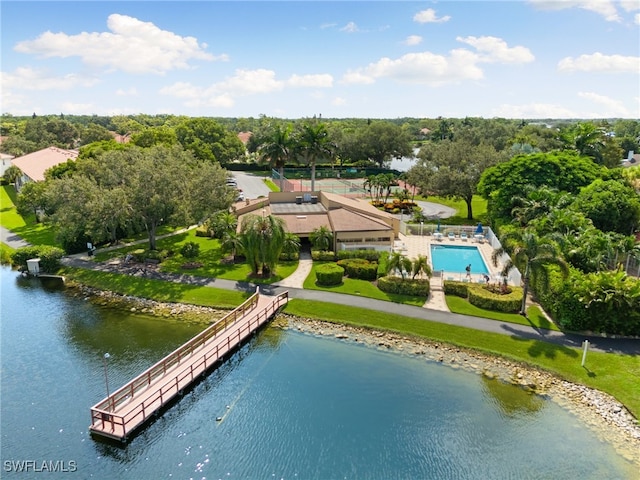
(131, 406)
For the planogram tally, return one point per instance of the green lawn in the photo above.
(31, 231)
(478, 204)
(159, 290)
(618, 375)
(534, 318)
(211, 257)
(362, 288)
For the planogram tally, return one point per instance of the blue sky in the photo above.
(366, 59)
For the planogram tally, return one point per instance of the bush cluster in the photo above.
(485, 297)
(359, 268)
(322, 256)
(49, 257)
(418, 287)
(370, 255)
(329, 274)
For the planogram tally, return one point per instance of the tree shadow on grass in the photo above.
(551, 347)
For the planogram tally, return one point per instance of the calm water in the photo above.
(454, 258)
(293, 407)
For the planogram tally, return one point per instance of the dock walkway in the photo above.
(127, 409)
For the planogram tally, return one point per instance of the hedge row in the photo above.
(49, 257)
(418, 287)
(359, 268)
(481, 297)
(370, 255)
(322, 256)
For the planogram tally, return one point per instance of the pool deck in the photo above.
(413, 245)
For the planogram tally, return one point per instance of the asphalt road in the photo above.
(252, 186)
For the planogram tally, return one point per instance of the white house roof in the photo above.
(33, 165)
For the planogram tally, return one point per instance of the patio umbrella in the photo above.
(479, 230)
(438, 227)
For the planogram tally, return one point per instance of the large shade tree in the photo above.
(453, 169)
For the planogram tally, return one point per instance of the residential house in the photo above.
(33, 165)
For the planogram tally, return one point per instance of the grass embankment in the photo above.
(27, 228)
(158, 290)
(478, 206)
(617, 375)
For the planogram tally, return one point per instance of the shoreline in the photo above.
(597, 410)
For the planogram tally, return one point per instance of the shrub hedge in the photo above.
(359, 268)
(371, 255)
(322, 256)
(481, 297)
(414, 287)
(329, 274)
(49, 257)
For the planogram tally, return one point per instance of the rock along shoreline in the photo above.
(607, 417)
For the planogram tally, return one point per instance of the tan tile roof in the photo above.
(305, 224)
(245, 136)
(33, 165)
(348, 221)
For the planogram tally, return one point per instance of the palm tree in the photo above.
(231, 242)
(278, 150)
(313, 144)
(290, 245)
(399, 262)
(421, 266)
(321, 238)
(530, 254)
(262, 239)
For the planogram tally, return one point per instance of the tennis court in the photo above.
(349, 188)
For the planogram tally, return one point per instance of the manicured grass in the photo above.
(534, 318)
(157, 289)
(27, 228)
(362, 288)
(618, 375)
(271, 184)
(478, 204)
(5, 254)
(211, 257)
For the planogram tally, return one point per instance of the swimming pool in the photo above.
(454, 258)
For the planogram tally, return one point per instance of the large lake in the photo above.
(292, 406)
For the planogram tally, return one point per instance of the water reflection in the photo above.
(511, 401)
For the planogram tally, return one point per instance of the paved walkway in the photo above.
(13, 240)
(427, 312)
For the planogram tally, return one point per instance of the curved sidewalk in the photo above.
(521, 332)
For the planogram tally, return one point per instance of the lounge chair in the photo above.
(463, 236)
(452, 236)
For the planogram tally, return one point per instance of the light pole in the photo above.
(106, 376)
(421, 225)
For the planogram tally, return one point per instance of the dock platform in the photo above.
(126, 410)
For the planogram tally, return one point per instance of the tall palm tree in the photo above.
(321, 238)
(313, 144)
(262, 238)
(421, 266)
(530, 254)
(277, 150)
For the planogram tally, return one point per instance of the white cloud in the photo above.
(428, 68)
(78, 108)
(131, 45)
(598, 62)
(182, 90)
(496, 50)
(350, 27)
(357, 77)
(130, 92)
(614, 108)
(605, 8)
(249, 82)
(320, 80)
(338, 101)
(534, 110)
(328, 25)
(636, 19)
(429, 16)
(27, 78)
(413, 40)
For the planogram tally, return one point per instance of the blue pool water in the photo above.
(454, 258)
